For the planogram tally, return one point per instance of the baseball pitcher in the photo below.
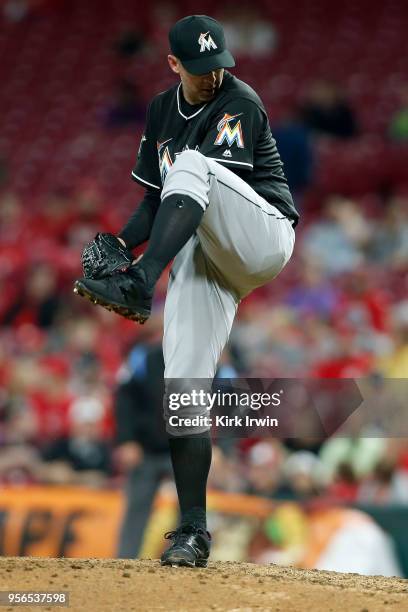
(218, 203)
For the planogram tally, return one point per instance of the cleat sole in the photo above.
(183, 563)
(139, 317)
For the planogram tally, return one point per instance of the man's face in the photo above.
(197, 89)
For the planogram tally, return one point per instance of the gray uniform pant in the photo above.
(141, 488)
(241, 243)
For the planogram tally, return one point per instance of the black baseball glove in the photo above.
(104, 256)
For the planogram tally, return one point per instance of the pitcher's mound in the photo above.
(110, 585)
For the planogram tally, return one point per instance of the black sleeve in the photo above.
(105, 464)
(233, 134)
(127, 411)
(139, 226)
(58, 450)
(147, 170)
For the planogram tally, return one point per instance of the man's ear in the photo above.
(173, 63)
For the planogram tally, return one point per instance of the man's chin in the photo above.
(206, 96)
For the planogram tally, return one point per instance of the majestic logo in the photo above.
(165, 161)
(206, 42)
(227, 153)
(227, 134)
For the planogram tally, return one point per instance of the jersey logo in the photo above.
(160, 145)
(142, 140)
(227, 153)
(229, 134)
(186, 148)
(165, 161)
(206, 42)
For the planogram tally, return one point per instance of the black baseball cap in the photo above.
(198, 42)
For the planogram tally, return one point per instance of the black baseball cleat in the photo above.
(190, 547)
(125, 293)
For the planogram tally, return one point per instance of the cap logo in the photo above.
(206, 42)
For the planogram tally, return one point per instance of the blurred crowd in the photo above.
(341, 470)
(339, 310)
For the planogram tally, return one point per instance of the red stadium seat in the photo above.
(58, 70)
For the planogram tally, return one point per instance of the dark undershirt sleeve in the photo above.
(137, 229)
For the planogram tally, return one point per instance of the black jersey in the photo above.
(233, 129)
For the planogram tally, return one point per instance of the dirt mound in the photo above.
(110, 585)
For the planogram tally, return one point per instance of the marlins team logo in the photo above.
(142, 140)
(165, 161)
(206, 42)
(228, 134)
